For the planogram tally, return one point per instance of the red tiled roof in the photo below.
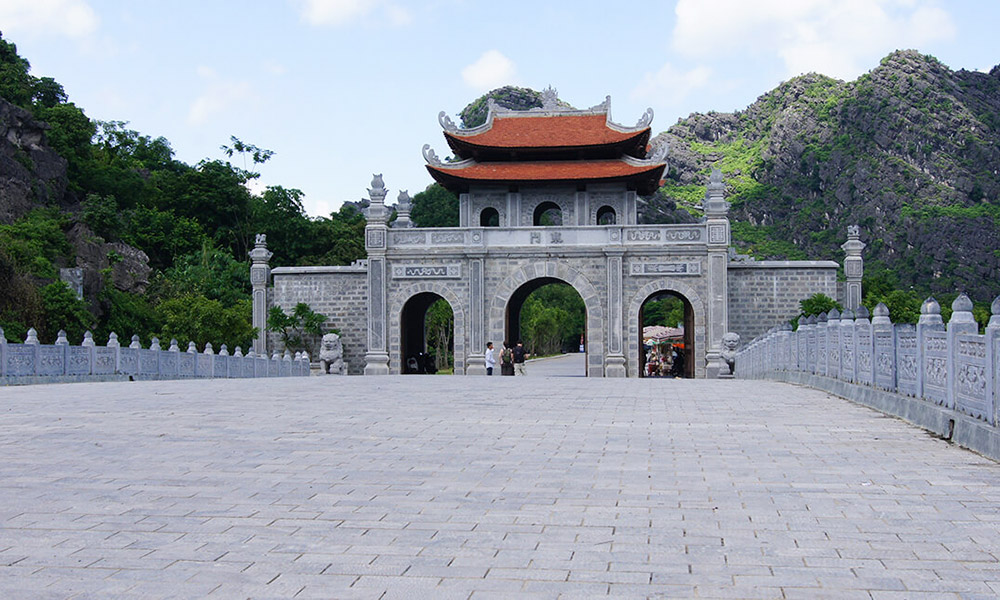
(547, 131)
(559, 170)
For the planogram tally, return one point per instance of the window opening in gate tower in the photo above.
(489, 217)
(666, 321)
(550, 317)
(427, 335)
(606, 216)
(547, 214)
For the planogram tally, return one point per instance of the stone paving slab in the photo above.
(453, 487)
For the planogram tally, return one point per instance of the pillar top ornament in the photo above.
(715, 201)
(853, 246)
(260, 254)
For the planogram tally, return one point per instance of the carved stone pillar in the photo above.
(717, 223)
(377, 357)
(475, 363)
(854, 267)
(260, 272)
(614, 361)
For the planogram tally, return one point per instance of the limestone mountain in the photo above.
(909, 151)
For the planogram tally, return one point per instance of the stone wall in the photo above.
(339, 293)
(767, 293)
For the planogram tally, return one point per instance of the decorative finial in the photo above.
(446, 123)
(644, 120)
(32, 337)
(658, 153)
(431, 157)
(550, 98)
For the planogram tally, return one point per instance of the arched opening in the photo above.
(427, 335)
(666, 324)
(547, 214)
(489, 217)
(606, 216)
(549, 316)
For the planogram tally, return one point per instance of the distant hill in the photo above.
(909, 151)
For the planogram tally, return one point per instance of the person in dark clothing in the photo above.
(506, 359)
(519, 355)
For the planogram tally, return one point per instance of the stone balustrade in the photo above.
(32, 362)
(951, 366)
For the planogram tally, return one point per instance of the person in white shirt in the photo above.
(491, 359)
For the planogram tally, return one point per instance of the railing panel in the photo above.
(51, 360)
(128, 361)
(971, 390)
(168, 363)
(833, 351)
(149, 362)
(907, 369)
(865, 370)
(885, 359)
(935, 367)
(203, 368)
(78, 360)
(187, 364)
(21, 360)
(847, 353)
(104, 360)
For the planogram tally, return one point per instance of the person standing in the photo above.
(491, 358)
(519, 355)
(506, 360)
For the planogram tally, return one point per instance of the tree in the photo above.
(435, 207)
(200, 320)
(257, 155)
(294, 326)
(210, 272)
(818, 303)
(15, 81)
(63, 310)
(439, 322)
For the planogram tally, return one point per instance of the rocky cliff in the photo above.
(31, 173)
(909, 151)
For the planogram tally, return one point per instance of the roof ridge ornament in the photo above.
(645, 119)
(603, 106)
(550, 98)
(431, 156)
(446, 123)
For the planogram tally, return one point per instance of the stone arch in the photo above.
(592, 301)
(606, 213)
(666, 284)
(544, 207)
(489, 217)
(401, 297)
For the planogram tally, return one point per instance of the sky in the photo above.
(343, 89)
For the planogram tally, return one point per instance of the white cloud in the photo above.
(492, 70)
(219, 96)
(273, 67)
(840, 38)
(73, 18)
(341, 12)
(670, 85)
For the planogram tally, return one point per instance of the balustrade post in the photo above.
(932, 353)
(833, 344)
(993, 355)
(848, 348)
(3, 354)
(961, 323)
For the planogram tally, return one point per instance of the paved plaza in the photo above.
(465, 487)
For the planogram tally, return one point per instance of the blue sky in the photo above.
(341, 89)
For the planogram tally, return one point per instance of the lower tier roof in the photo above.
(645, 178)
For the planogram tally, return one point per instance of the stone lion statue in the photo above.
(331, 355)
(730, 342)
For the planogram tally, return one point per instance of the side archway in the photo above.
(551, 270)
(634, 333)
(399, 301)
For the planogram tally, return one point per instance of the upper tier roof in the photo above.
(547, 129)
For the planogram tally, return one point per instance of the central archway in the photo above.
(670, 349)
(550, 271)
(549, 316)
